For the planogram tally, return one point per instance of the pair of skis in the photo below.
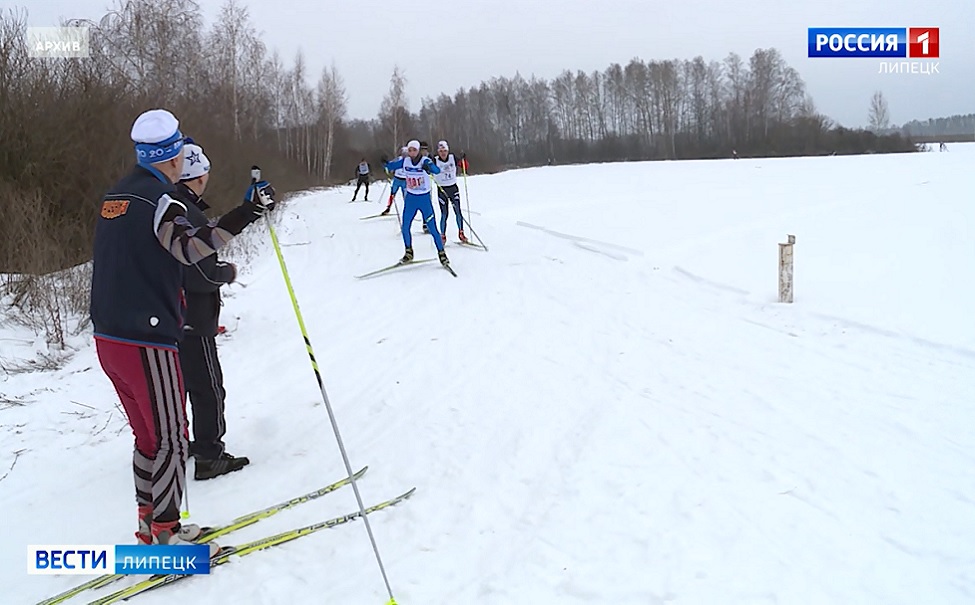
(380, 215)
(471, 245)
(403, 265)
(226, 552)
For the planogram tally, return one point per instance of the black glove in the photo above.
(226, 272)
(261, 196)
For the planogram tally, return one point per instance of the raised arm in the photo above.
(190, 244)
(394, 164)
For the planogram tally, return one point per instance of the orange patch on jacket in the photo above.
(114, 208)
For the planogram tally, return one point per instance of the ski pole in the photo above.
(255, 177)
(399, 221)
(381, 195)
(467, 196)
(186, 497)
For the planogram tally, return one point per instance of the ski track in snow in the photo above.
(624, 416)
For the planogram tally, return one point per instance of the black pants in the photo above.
(449, 194)
(362, 181)
(203, 380)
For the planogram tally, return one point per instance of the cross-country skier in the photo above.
(417, 198)
(399, 184)
(202, 373)
(362, 176)
(143, 242)
(448, 193)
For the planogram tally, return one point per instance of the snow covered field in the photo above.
(609, 406)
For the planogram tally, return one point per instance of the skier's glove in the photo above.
(226, 272)
(261, 196)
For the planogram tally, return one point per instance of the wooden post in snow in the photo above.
(785, 270)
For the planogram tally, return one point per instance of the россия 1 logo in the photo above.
(875, 42)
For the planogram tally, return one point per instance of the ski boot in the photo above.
(408, 257)
(173, 533)
(144, 535)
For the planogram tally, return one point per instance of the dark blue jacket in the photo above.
(143, 241)
(136, 285)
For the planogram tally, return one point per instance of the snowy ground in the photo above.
(609, 406)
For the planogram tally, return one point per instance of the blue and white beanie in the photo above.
(157, 137)
(195, 162)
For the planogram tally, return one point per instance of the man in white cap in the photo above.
(417, 198)
(448, 192)
(143, 242)
(202, 373)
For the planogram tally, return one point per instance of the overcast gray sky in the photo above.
(443, 46)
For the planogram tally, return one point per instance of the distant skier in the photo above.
(943, 147)
(448, 193)
(417, 198)
(399, 184)
(143, 242)
(202, 374)
(362, 175)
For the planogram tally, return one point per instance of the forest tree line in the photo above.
(961, 127)
(65, 123)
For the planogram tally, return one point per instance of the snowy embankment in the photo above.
(609, 406)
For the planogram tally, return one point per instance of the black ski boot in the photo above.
(208, 469)
(408, 257)
(443, 258)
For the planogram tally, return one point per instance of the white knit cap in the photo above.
(443, 145)
(156, 136)
(195, 162)
(154, 126)
(414, 144)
